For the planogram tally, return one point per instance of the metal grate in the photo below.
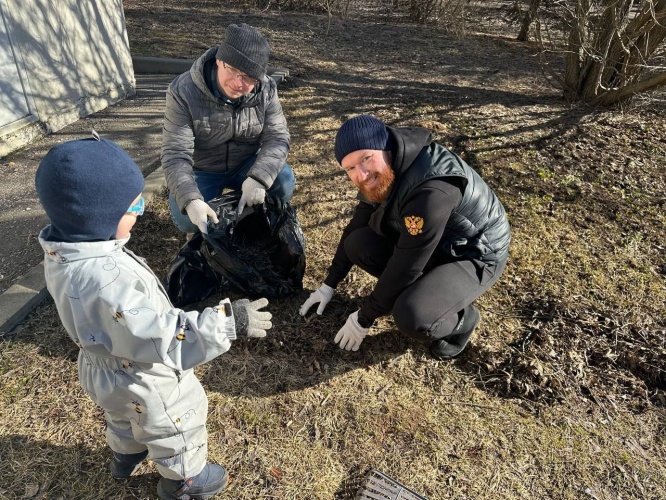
(379, 486)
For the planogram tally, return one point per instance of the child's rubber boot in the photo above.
(452, 345)
(211, 480)
(123, 466)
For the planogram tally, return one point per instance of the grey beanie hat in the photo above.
(361, 132)
(245, 49)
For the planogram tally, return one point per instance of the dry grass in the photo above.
(561, 394)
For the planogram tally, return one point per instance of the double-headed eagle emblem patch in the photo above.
(414, 225)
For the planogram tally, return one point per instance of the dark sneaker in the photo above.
(210, 481)
(452, 345)
(123, 466)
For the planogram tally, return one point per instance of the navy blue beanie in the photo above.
(85, 187)
(361, 132)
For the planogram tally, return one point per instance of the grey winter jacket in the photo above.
(205, 133)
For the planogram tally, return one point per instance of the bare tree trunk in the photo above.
(604, 49)
(574, 56)
(529, 17)
(633, 44)
(609, 48)
(330, 16)
(624, 93)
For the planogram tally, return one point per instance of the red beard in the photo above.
(379, 193)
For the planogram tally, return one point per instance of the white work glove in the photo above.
(198, 211)
(250, 321)
(254, 193)
(352, 334)
(323, 295)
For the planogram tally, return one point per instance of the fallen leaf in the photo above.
(275, 472)
(31, 490)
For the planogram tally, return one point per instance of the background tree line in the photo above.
(599, 52)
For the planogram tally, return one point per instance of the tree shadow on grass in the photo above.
(37, 468)
(298, 352)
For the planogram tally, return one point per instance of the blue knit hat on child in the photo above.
(361, 132)
(85, 187)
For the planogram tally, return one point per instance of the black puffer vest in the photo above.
(477, 229)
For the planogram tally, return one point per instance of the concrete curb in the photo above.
(28, 292)
(21, 298)
(161, 65)
(173, 66)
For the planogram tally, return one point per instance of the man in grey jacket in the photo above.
(224, 128)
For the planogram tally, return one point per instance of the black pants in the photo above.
(430, 307)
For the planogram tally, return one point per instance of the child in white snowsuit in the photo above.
(137, 351)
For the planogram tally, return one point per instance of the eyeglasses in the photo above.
(247, 80)
(138, 208)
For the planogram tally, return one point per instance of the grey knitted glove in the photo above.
(250, 321)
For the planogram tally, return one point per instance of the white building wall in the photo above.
(76, 61)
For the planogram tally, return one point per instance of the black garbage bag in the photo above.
(190, 278)
(261, 252)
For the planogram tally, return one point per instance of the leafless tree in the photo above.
(611, 48)
(449, 13)
(527, 20)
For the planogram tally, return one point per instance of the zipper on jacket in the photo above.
(145, 265)
(234, 113)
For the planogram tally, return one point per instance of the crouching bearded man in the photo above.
(427, 226)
